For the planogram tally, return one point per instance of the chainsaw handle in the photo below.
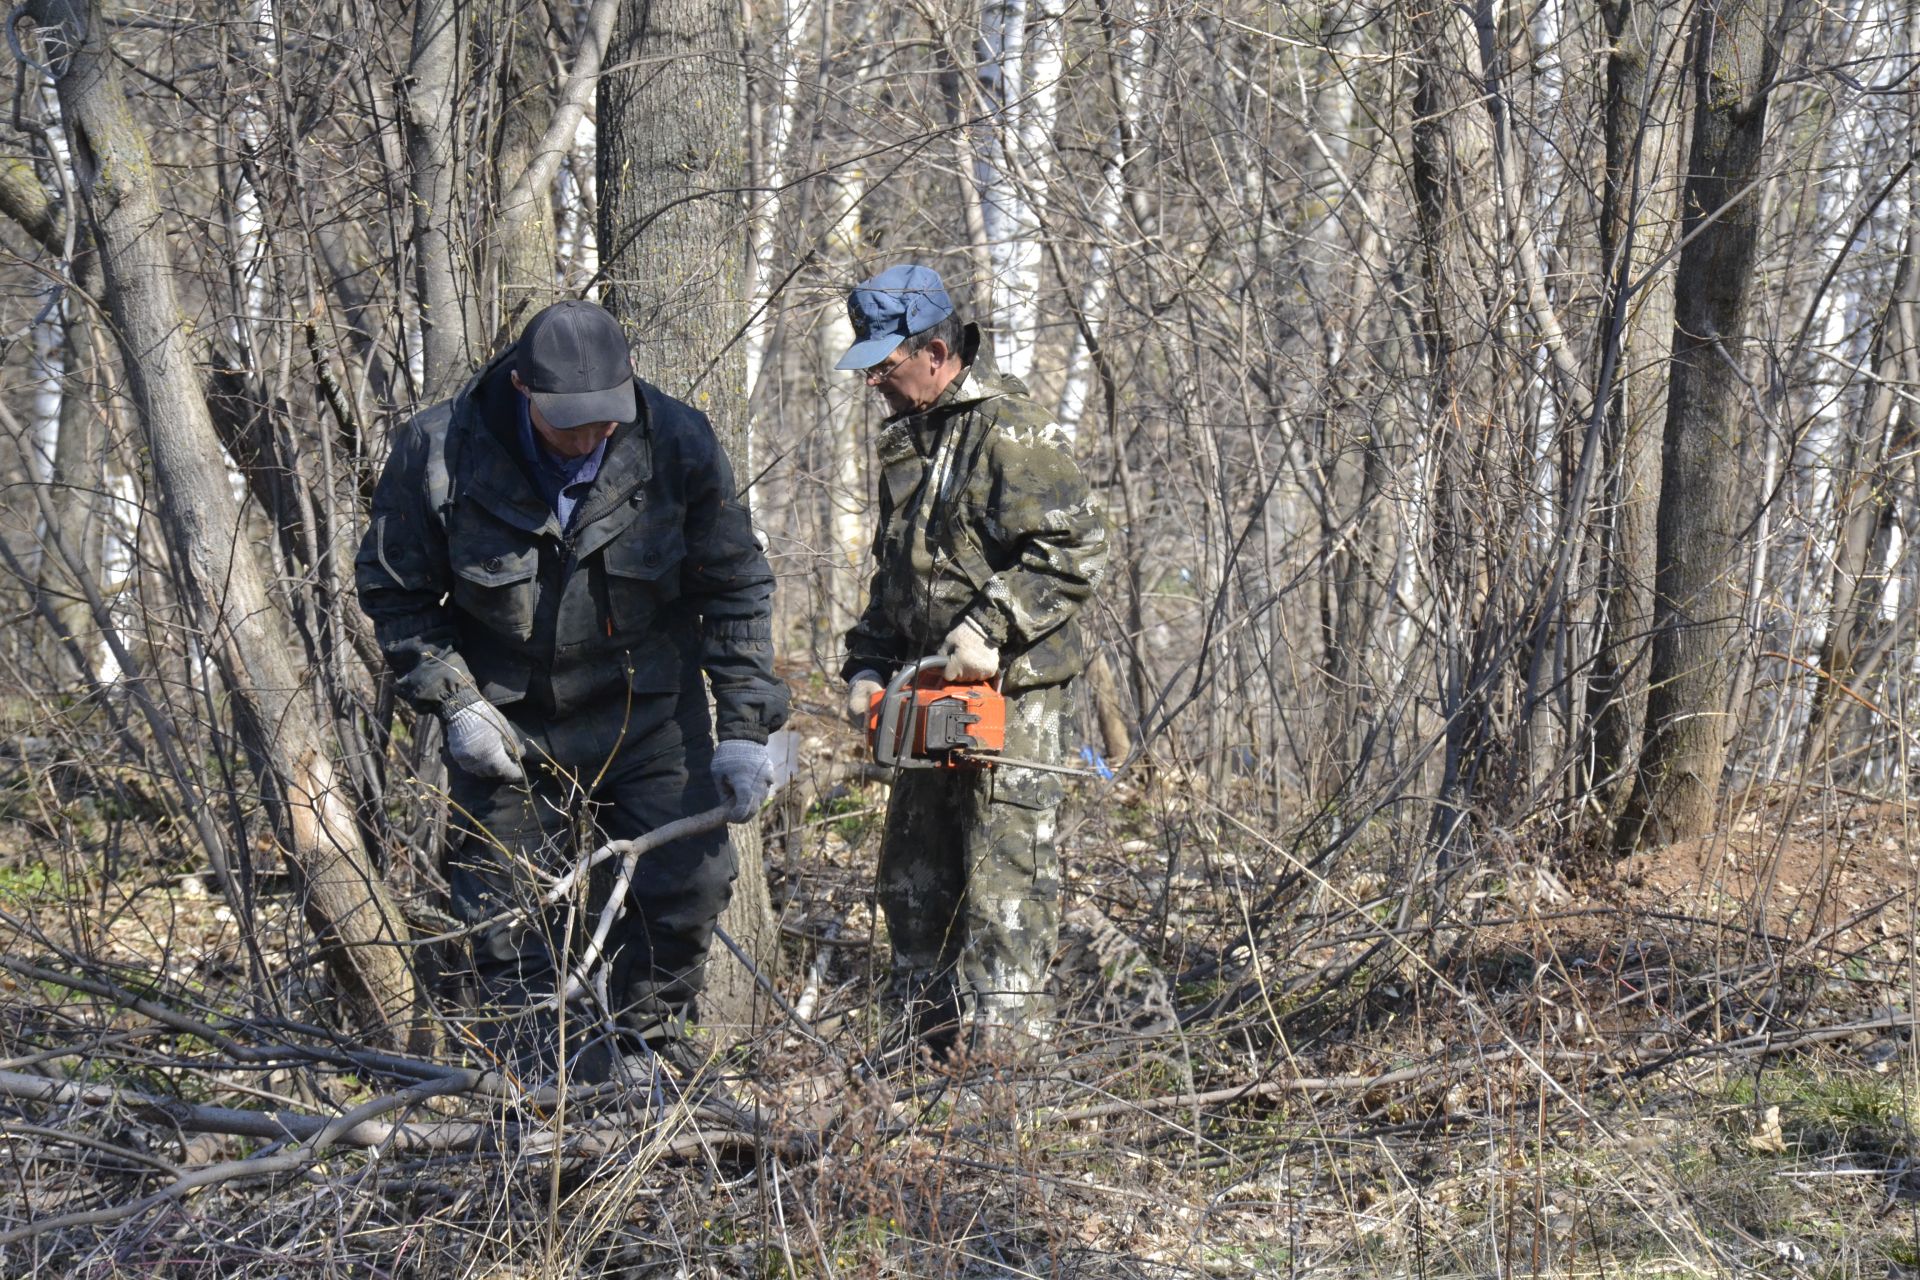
(888, 749)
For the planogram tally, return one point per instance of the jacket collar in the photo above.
(980, 380)
(495, 473)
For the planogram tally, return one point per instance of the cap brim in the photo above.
(865, 355)
(565, 410)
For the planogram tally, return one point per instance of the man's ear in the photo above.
(939, 349)
(513, 376)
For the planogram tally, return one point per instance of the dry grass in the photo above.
(1705, 1067)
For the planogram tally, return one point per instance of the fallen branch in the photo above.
(360, 1127)
(691, 825)
(628, 851)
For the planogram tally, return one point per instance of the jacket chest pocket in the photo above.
(498, 586)
(642, 575)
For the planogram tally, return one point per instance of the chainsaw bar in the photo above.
(1017, 763)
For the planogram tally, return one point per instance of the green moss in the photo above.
(33, 882)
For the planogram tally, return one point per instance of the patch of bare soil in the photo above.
(1827, 869)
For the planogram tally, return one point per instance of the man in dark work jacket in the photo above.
(555, 557)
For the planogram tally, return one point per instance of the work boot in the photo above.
(926, 1020)
(676, 1071)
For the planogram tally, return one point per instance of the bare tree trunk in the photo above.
(439, 241)
(1125, 38)
(774, 100)
(844, 493)
(672, 162)
(1450, 154)
(1696, 604)
(1636, 228)
(1018, 72)
(1865, 508)
(538, 136)
(77, 476)
(344, 901)
(528, 249)
(78, 480)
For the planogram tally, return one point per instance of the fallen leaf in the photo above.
(1768, 1137)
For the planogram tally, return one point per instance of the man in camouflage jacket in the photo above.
(989, 545)
(555, 557)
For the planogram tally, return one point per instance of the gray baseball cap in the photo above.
(575, 363)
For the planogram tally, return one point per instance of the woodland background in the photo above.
(1506, 416)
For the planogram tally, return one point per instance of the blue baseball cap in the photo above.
(890, 308)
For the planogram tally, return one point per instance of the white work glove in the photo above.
(860, 697)
(969, 656)
(744, 774)
(482, 742)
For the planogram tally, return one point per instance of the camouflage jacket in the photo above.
(983, 515)
(476, 591)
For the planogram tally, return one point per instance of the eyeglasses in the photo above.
(879, 373)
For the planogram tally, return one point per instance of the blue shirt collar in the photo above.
(562, 481)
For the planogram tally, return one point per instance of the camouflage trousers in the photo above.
(969, 880)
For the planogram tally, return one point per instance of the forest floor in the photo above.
(1698, 1064)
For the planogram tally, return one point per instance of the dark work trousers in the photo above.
(509, 840)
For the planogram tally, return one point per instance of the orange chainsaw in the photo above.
(922, 720)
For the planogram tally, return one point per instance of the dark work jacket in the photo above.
(476, 591)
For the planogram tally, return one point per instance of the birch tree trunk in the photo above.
(1125, 36)
(76, 476)
(672, 162)
(777, 100)
(1696, 603)
(1865, 507)
(845, 493)
(79, 473)
(1019, 76)
(343, 899)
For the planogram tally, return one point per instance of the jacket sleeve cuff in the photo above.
(749, 715)
(879, 668)
(440, 682)
(990, 622)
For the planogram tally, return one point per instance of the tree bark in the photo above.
(1450, 154)
(1636, 228)
(79, 473)
(442, 274)
(1696, 605)
(1865, 510)
(672, 163)
(528, 248)
(344, 901)
(1018, 74)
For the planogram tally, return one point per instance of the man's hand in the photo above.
(744, 774)
(860, 697)
(482, 742)
(968, 655)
